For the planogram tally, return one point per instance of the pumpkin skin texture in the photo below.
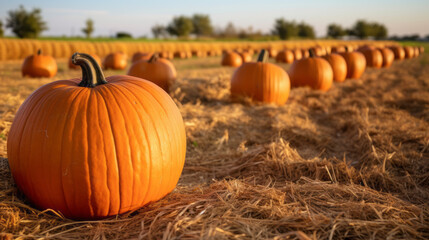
(96, 147)
(356, 64)
(76, 67)
(39, 65)
(388, 57)
(399, 52)
(115, 61)
(285, 56)
(314, 72)
(373, 57)
(157, 70)
(261, 81)
(339, 66)
(231, 59)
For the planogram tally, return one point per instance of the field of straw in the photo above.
(351, 163)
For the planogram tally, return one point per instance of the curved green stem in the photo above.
(263, 56)
(92, 75)
(39, 51)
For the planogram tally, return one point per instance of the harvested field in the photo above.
(350, 163)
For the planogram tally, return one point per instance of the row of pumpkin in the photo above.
(100, 146)
(16, 49)
(317, 67)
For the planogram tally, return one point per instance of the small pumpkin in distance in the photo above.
(157, 70)
(246, 57)
(416, 51)
(108, 145)
(140, 56)
(388, 56)
(231, 59)
(297, 54)
(409, 52)
(285, 56)
(115, 61)
(261, 81)
(373, 57)
(339, 66)
(338, 49)
(314, 72)
(356, 64)
(39, 65)
(398, 51)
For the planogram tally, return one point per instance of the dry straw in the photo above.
(352, 163)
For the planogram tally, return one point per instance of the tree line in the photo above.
(30, 24)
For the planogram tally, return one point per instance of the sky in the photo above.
(401, 17)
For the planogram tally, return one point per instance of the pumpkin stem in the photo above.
(311, 51)
(154, 58)
(263, 56)
(39, 51)
(92, 75)
(347, 48)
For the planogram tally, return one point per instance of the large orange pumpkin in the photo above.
(388, 56)
(314, 72)
(356, 64)
(339, 66)
(373, 57)
(285, 56)
(231, 59)
(96, 147)
(39, 65)
(398, 51)
(157, 70)
(261, 81)
(115, 61)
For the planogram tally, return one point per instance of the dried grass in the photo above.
(351, 163)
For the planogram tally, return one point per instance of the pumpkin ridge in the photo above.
(121, 176)
(157, 134)
(145, 132)
(115, 157)
(87, 119)
(166, 113)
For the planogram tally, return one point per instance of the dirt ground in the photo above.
(351, 163)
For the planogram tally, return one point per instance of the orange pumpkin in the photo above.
(409, 52)
(272, 53)
(297, 54)
(39, 65)
(140, 56)
(338, 49)
(339, 66)
(305, 53)
(180, 54)
(421, 49)
(416, 51)
(261, 81)
(285, 56)
(398, 51)
(356, 64)
(373, 57)
(115, 61)
(76, 67)
(157, 70)
(388, 57)
(231, 59)
(96, 147)
(314, 72)
(245, 57)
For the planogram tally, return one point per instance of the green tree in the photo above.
(379, 31)
(89, 28)
(363, 29)
(202, 25)
(159, 31)
(1, 29)
(123, 35)
(285, 29)
(26, 24)
(335, 31)
(306, 31)
(180, 26)
(230, 31)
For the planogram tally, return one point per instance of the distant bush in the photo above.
(123, 35)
